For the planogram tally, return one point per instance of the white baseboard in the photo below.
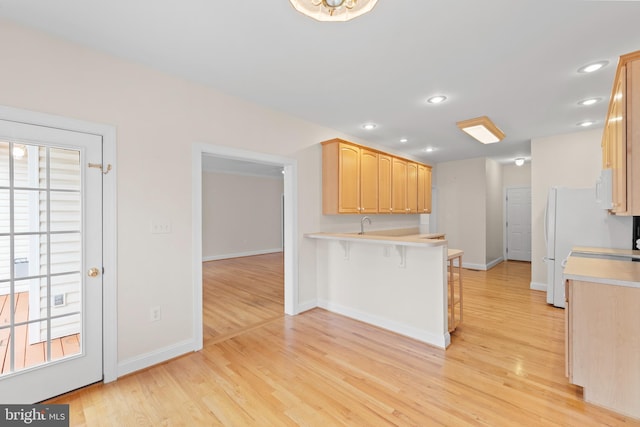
(306, 306)
(483, 267)
(536, 286)
(155, 357)
(240, 254)
(440, 341)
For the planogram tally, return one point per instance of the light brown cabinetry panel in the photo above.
(384, 183)
(424, 189)
(621, 137)
(399, 180)
(412, 188)
(368, 181)
(602, 344)
(360, 180)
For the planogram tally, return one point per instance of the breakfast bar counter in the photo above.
(394, 279)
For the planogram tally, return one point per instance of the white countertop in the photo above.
(387, 237)
(606, 271)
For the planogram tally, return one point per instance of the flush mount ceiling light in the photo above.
(437, 99)
(333, 10)
(590, 68)
(586, 123)
(369, 126)
(520, 161)
(404, 140)
(482, 129)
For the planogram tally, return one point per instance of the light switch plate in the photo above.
(160, 227)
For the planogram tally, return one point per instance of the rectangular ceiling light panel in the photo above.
(482, 129)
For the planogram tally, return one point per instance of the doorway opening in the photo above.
(288, 168)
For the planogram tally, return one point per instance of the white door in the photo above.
(50, 261)
(519, 224)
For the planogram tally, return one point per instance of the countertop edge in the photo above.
(603, 271)
(418, 240)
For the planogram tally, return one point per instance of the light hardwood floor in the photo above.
(505, 366)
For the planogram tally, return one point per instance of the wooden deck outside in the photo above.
(28, 355)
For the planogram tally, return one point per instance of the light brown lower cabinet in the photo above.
(602, 341)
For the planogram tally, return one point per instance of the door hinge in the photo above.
(99, 166)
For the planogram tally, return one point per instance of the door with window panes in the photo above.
(50, 261)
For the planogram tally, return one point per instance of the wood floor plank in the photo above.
(505, 366)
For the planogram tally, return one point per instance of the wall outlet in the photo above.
(155, 314)
(160, 227)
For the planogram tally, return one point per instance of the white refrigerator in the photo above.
(573, 218)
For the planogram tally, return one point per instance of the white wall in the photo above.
(158, 118)
(462, 207)
(570, 160)
(516, 176)
(241, 215)
(495, 220)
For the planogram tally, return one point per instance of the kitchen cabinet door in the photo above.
(349, 179)
(384, 183)
(368, 181)
(424, 189)
(412, 188)
(399, 189)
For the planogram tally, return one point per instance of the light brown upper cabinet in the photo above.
(368, 181)
(424, 189)
(360, 180)
(399, 186)
(621, 137)
(384, 183)
(344, 190)
(412, 188)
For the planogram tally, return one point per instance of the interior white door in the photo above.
(519, 224)
(50, 261)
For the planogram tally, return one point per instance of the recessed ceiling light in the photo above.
(369, 126)
(519, 161)
(437, 99)
(586, 123)
(404, 140)
(428, 149)
(589, 101)
(590, 68)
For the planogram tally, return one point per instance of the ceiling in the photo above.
(514, 61)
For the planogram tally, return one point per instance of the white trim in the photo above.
(390, 325)
(290, 225)
(240, 254)
(536, 286)
(306, 306)
(482, 267)
(109, 231)
(153, 358)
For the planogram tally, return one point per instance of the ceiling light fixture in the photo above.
(482, 129)
(589, 101)
(333, 10)
(404, 140)
(369, 126)
(520, 161)
(590, 68)
(437, 99)
(586, 123)
(428, 149)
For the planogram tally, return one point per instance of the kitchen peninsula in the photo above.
(394, 279)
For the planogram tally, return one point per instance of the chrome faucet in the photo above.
(364, 218)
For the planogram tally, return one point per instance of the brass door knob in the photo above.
(93, 272)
